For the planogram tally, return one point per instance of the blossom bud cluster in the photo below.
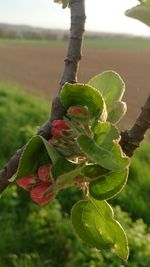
(58, 128)
(38, 185)
(63, 138)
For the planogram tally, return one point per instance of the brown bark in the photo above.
(74, 53)
(130, 139)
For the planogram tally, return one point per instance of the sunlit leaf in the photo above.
(140, 12)
(94, 223)
(93, 171)
(65, 172)
(84, 95)
(109, 157)
(105, 133)
(63, 2)
(112, 88)
(91, 235)
(108, 185)
(37, 152)
(119, 109)
(109, 227)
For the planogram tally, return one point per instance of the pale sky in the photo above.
(102, 15)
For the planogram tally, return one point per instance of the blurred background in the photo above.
(33, 44)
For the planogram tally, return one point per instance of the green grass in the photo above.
(117, 42)
(135, 197)
(103, 42)
(53, 43)
(20, 116)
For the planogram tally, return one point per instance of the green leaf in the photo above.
(109, 227)
(84, 95)
(62, 166)
(52, 152)
(112, 88)
(108, 185)
(37, 151)
(145, 2)
(108, 156)
(94, 222)
(140, 12)
(94, 171)
(65, 172)
(91, 237)
(105, 133)
(118, 111)
(63, 2)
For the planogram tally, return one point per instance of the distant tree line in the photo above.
(9, 31)
(26, 32)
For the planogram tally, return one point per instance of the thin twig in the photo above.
(131, 139)
(74, 53)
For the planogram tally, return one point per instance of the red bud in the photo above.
(27, 182)
(39, 196)
(44, 200)
(44, 172)
(78, 112)
(56, 133)
(57, 127)
(59, 124)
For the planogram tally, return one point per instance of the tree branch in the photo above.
(130, 139)
(74, 54)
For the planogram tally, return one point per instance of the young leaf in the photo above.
(52, 152)
(63, 2)
(84, 95)
(94, 171)
(62, 166)
(37, 151)
(112, 88)
(119, 109)
(140, 12)
(65, 172)
(105, 133)
(109, 157)
(91, 237)
(109, 227)
(108, 185)
(94, 223)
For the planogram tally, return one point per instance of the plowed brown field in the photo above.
(39, 68)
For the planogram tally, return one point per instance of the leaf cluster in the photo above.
(88, 155)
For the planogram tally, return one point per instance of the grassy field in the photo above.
(100, 42)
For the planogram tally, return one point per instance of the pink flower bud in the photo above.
(44, 172)
(78, 112)
(27, 182)
(56, 133)
(57, 127)
(39, 195)
(59, 124)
